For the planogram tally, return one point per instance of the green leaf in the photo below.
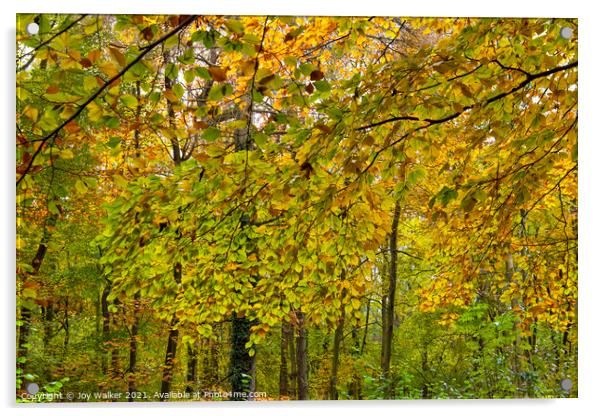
(446, 195)
(178, 90)
(235, 26)
(171, 71)
(322, 86)
(187, 57)
(215, 93)
(260, 139)
(189, 76)
(129, 101)
(80, 187)
(307, 69)
(251, 38)
(112, 122)
(53, 208)
(202, 72)
(113, 142)
(210, 134)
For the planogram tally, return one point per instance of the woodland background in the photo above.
(320, 208)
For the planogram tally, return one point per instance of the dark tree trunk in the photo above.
(292, 350)
(333, 394)
(302, 366)
(172, 343)
(355, 387)
(242, 364)
(133, 348)
(170, 355)
(284, 373)
(390, 309)
(192, 365)
(106, 326)
(25, 312)
(67, 327)
(115, 370)
(365, 337)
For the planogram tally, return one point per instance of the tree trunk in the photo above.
(292, 350)
(192, 364)
(170, 355)
(25, 313)
(67, 327)
(133, 348)
(516, 354)
(355, 387)
(333, 394)
(390, 308)
(302, 367)
(242, 364)
(284, 337)
(115, 370)
(106, 326)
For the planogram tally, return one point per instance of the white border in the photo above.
(590, 136)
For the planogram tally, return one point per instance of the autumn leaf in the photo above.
(217, 74)
(118, 56)
(316, 75)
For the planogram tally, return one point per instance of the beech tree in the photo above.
(368, 207)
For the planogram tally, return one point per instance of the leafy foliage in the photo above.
(177, 172)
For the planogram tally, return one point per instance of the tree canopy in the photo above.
(206, 201)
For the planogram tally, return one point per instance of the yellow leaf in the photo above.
(170, 96)
(109, 69)
(31, 113)
(66, 154)
(118, 56)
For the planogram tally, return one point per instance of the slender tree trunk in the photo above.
(106, 326)
(67, 327)
(284, 337)
(355, 387)
(191, 376)
(390, 309)
(292, 350)
(172, 344)
(333, 394)
(115, 354)
(366, 322)
(516, 354)
(302, 366)
(25, 313)
(134, 348)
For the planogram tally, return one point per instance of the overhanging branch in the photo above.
(52, 134)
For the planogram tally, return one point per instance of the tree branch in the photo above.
(81, 108)
(431, 122)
